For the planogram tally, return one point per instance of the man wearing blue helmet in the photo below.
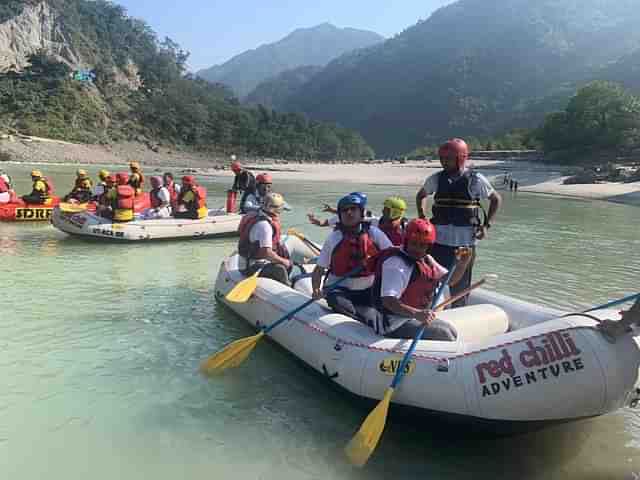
(352, 243)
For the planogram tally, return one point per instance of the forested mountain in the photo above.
(475, 67)
(85, 71)
(306, 46)
(275, 92)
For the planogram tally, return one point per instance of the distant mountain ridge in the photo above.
(315, 46)
(473, 68)
(275, 91)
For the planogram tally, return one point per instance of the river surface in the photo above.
(100, 346)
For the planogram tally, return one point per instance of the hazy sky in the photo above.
(216, 30)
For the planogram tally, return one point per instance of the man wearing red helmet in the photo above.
(405, 281)
(252, 199)
(456, 207)
(244, 180)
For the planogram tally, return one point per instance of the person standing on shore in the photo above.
(456, 206)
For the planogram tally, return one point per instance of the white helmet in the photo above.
(233, 157)
(273, 203)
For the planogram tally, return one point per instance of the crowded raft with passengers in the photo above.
(368, 308)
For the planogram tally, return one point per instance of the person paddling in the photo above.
(160, 200)
(259, 244)
(353, 242)
(406, 278)
(458, 191)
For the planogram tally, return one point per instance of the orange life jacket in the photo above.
(352, 251)
(124, 203)
(394, 231)
(249, 249)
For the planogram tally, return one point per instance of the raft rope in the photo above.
(418, 355)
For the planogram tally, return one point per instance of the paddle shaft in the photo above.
(461, 294)
(400, 372)
(309, 302)
(613, 303)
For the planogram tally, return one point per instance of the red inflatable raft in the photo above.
(19, 211)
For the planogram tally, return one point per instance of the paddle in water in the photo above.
(235, 353)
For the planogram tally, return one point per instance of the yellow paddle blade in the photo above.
(230, 356)
(72, 207)
(243, 290)
(365, 441)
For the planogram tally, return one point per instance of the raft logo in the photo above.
(555, 354)
(33, 213)
(389, 366)
(107, 233)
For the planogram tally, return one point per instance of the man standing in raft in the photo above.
(259, 243)
(136, 179)
(457, 193)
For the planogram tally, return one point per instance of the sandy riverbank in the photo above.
(532, 177)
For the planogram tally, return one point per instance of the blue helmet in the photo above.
(356, 198)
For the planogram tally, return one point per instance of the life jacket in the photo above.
(4, 187)
(199, 205)
(249, 249)
(155, 198)
(453, 203)
(352, 251)
(173, 195)
(419, 291)
(244, 181)
(395, 232)
(243, 199)
(136, 180)
(124, 203)
(48, 189)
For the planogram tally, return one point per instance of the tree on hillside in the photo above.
(602, 115)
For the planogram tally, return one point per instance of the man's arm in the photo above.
(268, 253)
(316, 280)
(420, 196)
(495, 201)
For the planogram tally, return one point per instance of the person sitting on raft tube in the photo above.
(353, 242)
(393, 223)
(160, 200)
(251, 200)
(123, 199)
(82, 188)
(41, 191)
(191, 202)
(456, 208)
(259, 244)
(405, 280)
(136, 179)
(173, 188)
(104, 203)
(334, 220)
(101, 185)
(7, 195)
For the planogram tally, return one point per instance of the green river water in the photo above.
(100, 346)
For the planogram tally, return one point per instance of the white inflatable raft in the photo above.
(89, 225)
(515, 365)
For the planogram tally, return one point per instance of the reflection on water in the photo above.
(101, 344)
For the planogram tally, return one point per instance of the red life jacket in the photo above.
(124, 199)
(352, 251)
(155, 198)
(395, 232)
(200, 194)
(173, 195)
(419, 291)
(247, 248)
(4, 188)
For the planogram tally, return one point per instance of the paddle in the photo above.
(244, 289)
(613, 303)
(366, 439)
(314, 246)
(67, 207)
(236, 352)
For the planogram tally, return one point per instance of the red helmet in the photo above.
(188, 180)
(422, 230)
(122, 178)
(264, 178)
(236, 167)
(455, 148)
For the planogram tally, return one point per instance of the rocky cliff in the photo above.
(37, 28)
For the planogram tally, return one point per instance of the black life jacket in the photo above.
(453, 202)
